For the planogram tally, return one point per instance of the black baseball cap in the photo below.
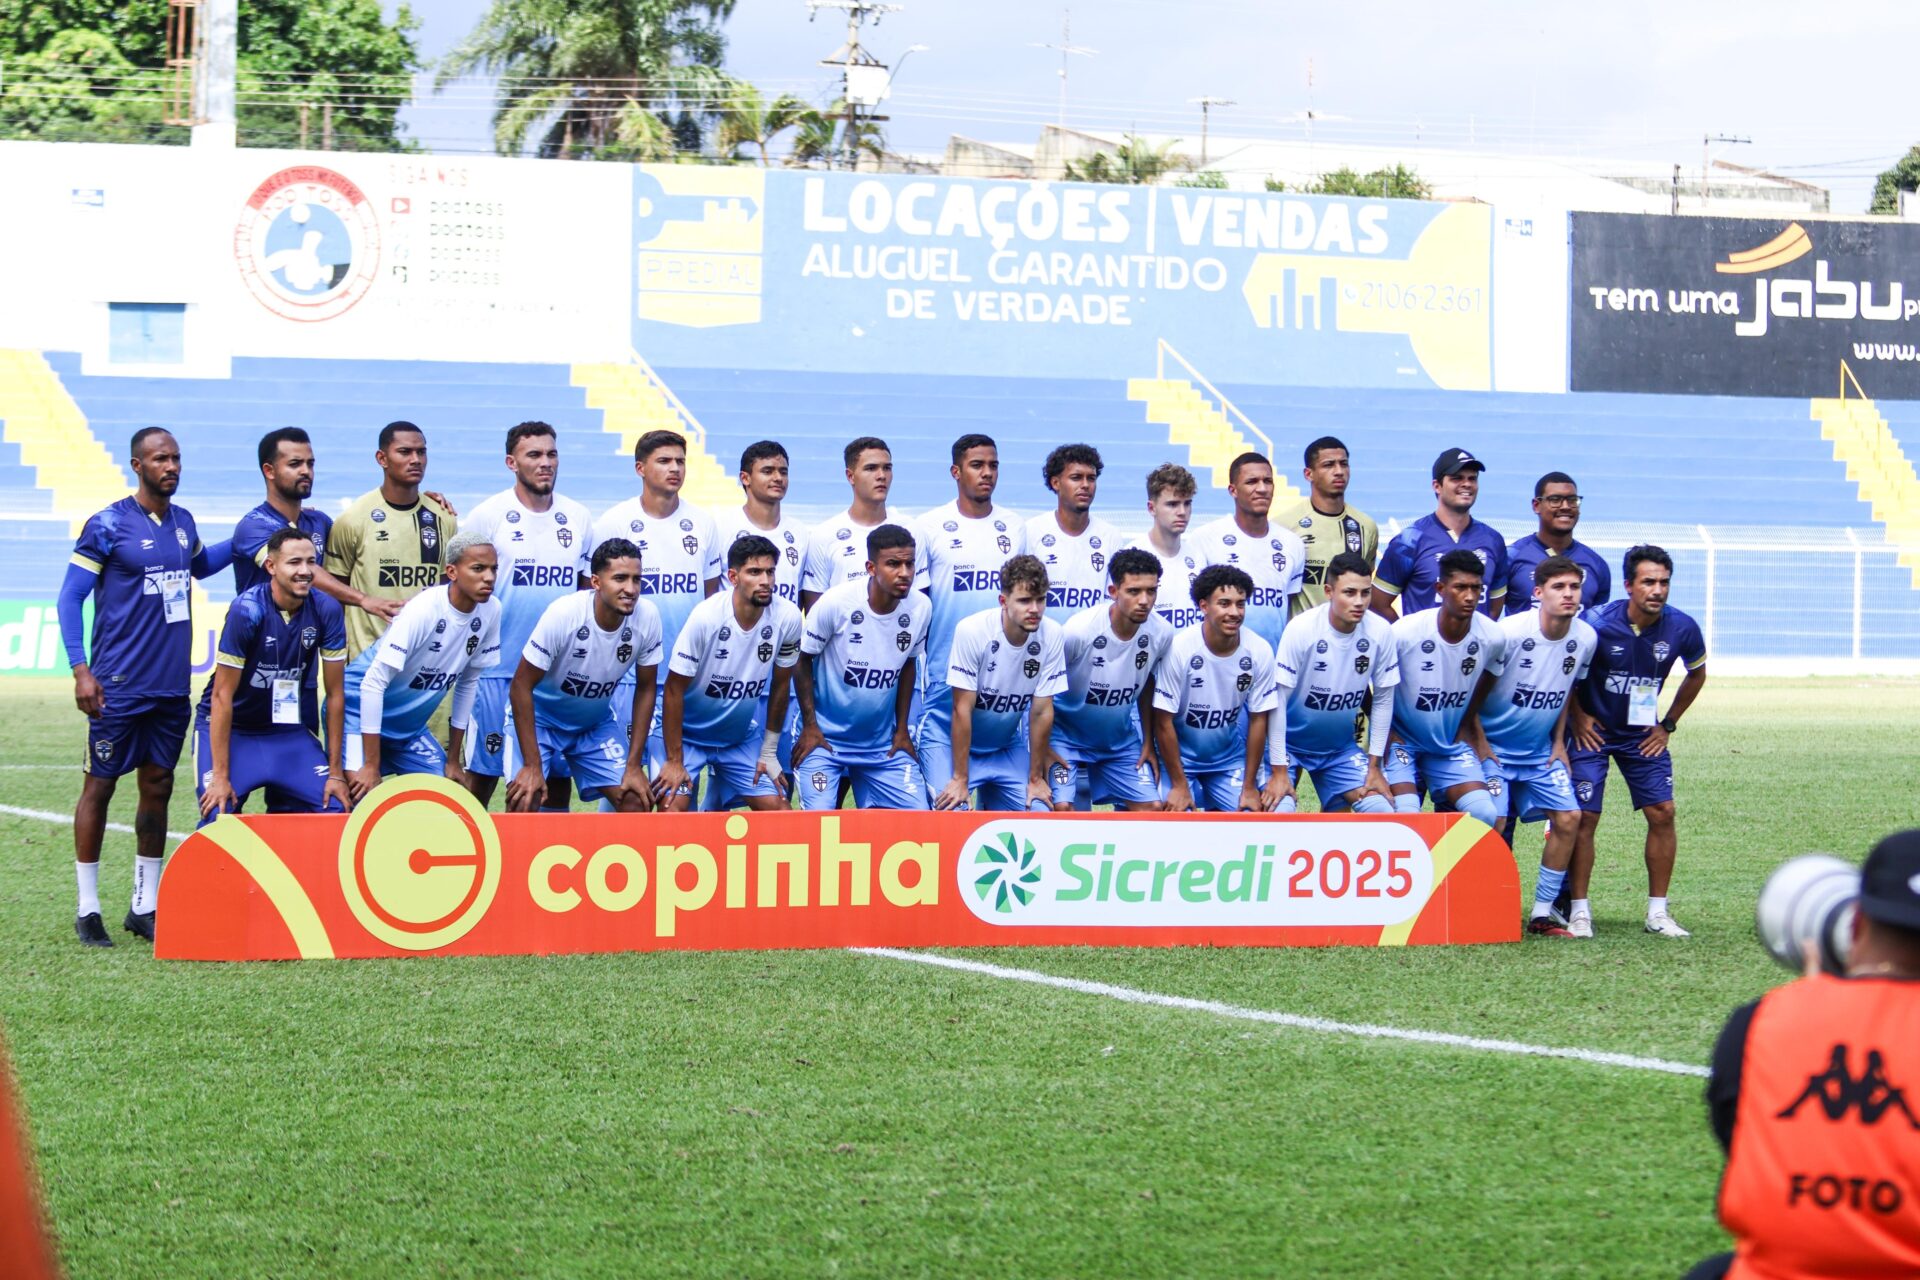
(1890, 881)
(1454, 461)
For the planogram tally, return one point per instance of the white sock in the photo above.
(1581, 907)
(1656, 906)
(88, 873)
(146, 884)
(1540, 909)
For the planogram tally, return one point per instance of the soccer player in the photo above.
(763, 477)
(1326, 524)
(258, 724)
(1004, 668)
(443, 639)
(1069, 540)
(540, 539)
(1170, 489)
(837, 551)
(968, 542)
(577, 656)
(1329, 657)
(1616, 715)
(137, 559)
(854, 684)
(1440, 653)
(736, 647)
(1211, 696)
(1518, 715)
(1409, 570)
(1100, 719)
(1273, 557)
(1556, 500)
(390, 543)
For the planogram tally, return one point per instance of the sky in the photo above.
(1821, 91)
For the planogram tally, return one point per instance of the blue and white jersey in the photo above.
(1437, 679)
(1327, 674)
(1276, 561)
(1596, 579)
(857, 657)
(584, 664)
(269, 647)
(430, 645)
(1098, 713)
(1410, 566)
(542, 556)
(789, 538)
(1076, 566)
(143, 574)
(250, 534)
(964, 555)
(1211, 696)
(1175, 603)
(1628, 659)
(729, 668)
(679, 554)
(1535, 677)
(837, 552)
(1005, 679)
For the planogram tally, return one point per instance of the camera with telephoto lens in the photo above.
(1810, 898)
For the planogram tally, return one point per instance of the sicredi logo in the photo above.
(419, 867)
(1020, 872)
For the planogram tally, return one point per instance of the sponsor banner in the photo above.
(897, 274)
(1743, 306)
(419, 868)
(30, 642)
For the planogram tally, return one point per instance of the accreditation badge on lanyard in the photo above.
(1643, 702)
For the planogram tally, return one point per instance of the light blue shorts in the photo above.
(1086, 779)
(488, 736)
(730, 769)
(594, 757)
(422, 753)
(1530, 792)
(998, 777)
(893, 783)
(1433, 771)
(1218, 790)
(1333, 774)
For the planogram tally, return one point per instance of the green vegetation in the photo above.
(1397, 183)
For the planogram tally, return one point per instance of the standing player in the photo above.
(286, 463)
(1005, 667)
(137, 559)
(968, 542)
(578, 654)
(763, 476)
(854, 684)
(737, 647)
(1556, 500)
(389, 544)
(1616, 716)
(1440, 653)
(837, 552)
(1100, 718)
(258, 725)
(1328, 658)
(541, 541)
(1211, 696)
(1170, 489)
(1410, 567)
(1271, 556)
(1519, 715)
(443, 639)
(1327, 525)
(1071, 542)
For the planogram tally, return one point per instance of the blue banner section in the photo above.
(899, 274)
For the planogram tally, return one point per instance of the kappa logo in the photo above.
(1871, 1096)
(420, 867)
(307, 244)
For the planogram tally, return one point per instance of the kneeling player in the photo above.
(1519, 714)
(562, 694)
(1112, 651)
(1004, 668)
(1328, 657)
(862, 642)
(441, 640)
(1440, 652)
(737, 645)
(258, 719)
(1211, 697)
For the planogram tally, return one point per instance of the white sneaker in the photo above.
(1665, 925)
(1581, 924)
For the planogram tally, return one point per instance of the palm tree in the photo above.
(826, 136)
(1135, 161)
(598, 79)
(749, 120)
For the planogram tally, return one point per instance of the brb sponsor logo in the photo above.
(307, 244)
(1020, 872)
(543, 575)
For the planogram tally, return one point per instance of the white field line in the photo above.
(66, 820)
(1298, 1021)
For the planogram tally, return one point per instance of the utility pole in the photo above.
(864, 78)
(1706, 151)
(1676, 190)
(1066, 48)
(1206, 105)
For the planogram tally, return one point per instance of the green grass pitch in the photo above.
(830, 1114)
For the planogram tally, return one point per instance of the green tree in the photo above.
(749, 120)
(632, 80)
(1135, 161)
(1209, 179)
(828, 137)
(1904, 176)
(1397, 183)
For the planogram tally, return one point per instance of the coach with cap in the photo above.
(1815, 1094)
(1410, 567)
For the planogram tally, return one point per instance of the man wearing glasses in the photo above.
(1556, 500)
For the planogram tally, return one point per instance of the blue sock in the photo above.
(1407, 803)
(1371, 803)
(1546, 889)
(606, 806)
(1478, 804)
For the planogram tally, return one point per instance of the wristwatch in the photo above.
(1669, 724)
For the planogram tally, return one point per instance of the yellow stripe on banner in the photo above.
(259, 860)
(1453, 846)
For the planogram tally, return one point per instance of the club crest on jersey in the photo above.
(766, 651)
(473, 643)
(1139, 659)
(793, 556)
(1097, 560)
(623, 654)
(1467, 665)
(1243, 682)
(564, 537)
(1005, 544)
(1030, 668)
(902, 640)
(1361, 663)
(1353, 537)
(1660, 650)
(1058, 774)
(1568, 665)
(690, 545)
(308, 637)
